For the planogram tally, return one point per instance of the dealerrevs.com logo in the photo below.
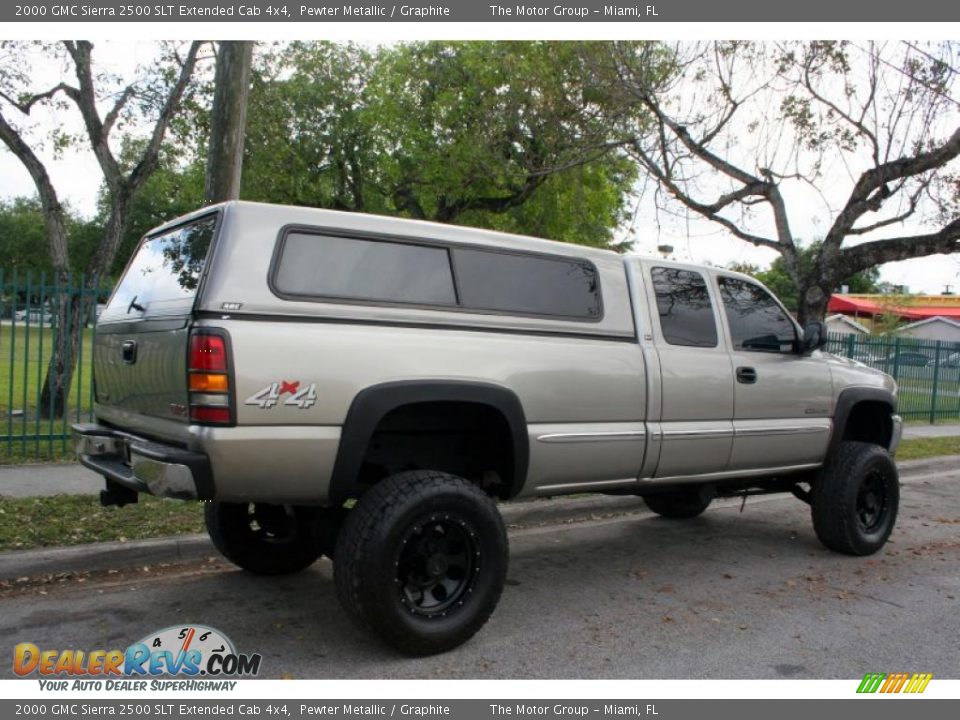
(189, 652)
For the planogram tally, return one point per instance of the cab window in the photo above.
(756, 320)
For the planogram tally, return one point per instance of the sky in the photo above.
(76, 175)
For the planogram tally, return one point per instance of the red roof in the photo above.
(851, 304)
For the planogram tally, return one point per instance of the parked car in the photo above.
(951, 361)
(35, 316)
(367, 387)
(907, 358)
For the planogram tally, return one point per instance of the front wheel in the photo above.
(264, 539)
(421, 561)
(855, 499)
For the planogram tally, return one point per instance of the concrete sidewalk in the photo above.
(74, 479)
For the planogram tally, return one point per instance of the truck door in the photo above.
(696, 385)
(782, 400)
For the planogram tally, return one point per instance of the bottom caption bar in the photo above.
(479, 709)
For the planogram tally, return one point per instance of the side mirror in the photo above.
(814, 337)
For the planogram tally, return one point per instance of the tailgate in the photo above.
(140, 352)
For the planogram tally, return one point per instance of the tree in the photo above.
(228, 121)
(511, 136)
(741, 123)
(778, 278)
(23, 237)
(155, 99)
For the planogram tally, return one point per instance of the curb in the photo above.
(185, 548)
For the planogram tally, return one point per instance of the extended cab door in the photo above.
(782, 400)
(696, 387)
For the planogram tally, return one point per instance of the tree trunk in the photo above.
(63, 358)
(813, 300)
(228, 122)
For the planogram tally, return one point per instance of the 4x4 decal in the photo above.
(270, 396)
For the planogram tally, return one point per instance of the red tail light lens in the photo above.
(208, 379)
(215, 415)
(208, 352)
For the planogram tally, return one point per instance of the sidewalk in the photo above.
(74, 479)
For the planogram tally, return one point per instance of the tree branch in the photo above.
(868, 194)
(709, 211)
(861, 257)
(25, 107)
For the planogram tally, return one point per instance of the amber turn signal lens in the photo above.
(209, 382)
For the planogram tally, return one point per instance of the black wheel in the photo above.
(855, 498)
(680, 504)
(421, 561)
(264, 539)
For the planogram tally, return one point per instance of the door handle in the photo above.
(746, 375)
(130, 352)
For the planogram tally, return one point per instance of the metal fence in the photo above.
(927, 371)
(30, 428)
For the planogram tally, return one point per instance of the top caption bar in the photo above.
(480, 11)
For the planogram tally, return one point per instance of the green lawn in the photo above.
(74, 519)
(918, 448)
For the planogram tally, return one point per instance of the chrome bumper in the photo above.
(142, 465)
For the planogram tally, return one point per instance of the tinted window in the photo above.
(527, 284)
(683, 303)
(325, 266)
(164, 274)
(757, 322)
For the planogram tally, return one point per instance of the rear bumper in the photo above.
(142, 465)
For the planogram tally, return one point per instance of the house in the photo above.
(934, 328)
(842, 325)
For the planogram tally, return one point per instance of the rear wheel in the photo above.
(421, 561)
(679, 504)
(264, 539)
(855, 499)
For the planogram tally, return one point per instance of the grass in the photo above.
(75, 519)
(919, 448)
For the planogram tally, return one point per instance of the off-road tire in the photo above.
(398, 545)
(680, 504)
(284, 546)
(855, 499)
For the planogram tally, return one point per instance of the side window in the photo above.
(527, 284)
(683, 303)
(335, 267)
(757, 322)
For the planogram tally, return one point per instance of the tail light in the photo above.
(208, 379)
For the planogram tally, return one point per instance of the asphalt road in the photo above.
(728, 595)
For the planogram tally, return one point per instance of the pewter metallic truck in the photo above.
(370, 388)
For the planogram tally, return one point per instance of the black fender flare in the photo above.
(372, 404)
(847, 400)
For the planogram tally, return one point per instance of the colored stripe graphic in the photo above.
(871, 682)
(894, 682)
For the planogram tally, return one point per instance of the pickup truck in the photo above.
(369, 388)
